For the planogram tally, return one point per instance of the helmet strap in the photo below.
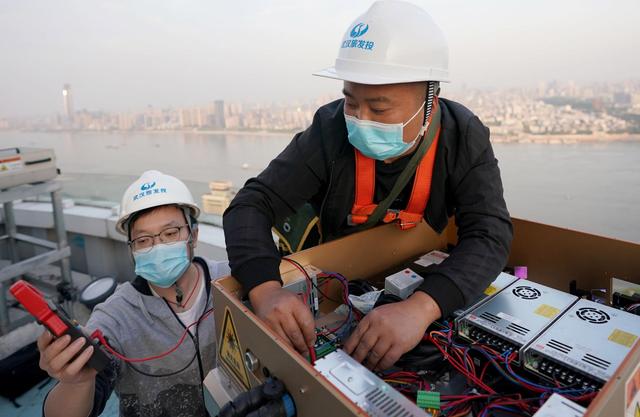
(433, 89)
(192, 227)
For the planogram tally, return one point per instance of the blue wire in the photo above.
(466, 355)
(543, 387)
(500, 407)
(510, 375)
(342, 329)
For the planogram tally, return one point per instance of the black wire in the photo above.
(415, 362)
(197, 345)
(313, 283)
(634, 310)
(141, 371)
(327, 297)
(359, 287)
(163, 375)
(179, 370)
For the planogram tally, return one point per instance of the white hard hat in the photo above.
(154, 189)
(392, 42)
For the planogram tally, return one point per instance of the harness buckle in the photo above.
(406, 225)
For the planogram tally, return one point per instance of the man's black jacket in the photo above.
(318, 166)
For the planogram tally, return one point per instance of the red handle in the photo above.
(35, 304)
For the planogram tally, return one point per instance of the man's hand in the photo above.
(285, 313)
(73, 396)
(57, 359)
(391, 330)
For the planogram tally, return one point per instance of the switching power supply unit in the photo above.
(515, 316)
(374, 396)
(502, 281)
(585, 346)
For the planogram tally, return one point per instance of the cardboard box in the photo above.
(590, 259)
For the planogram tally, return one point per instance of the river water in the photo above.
(592, 187)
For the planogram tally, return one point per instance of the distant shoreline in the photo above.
(567, 139)
(552, 139)
(180, 131)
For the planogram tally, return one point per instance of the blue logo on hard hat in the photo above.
(147, 186)
(359, 30)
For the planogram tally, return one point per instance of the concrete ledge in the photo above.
(79, 219)
(100, 222)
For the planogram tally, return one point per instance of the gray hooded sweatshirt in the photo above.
(138, 324)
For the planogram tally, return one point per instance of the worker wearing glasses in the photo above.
(144, 319)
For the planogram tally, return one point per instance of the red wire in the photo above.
(519, 403)
(393, 375)
(98, 335)
(460, 367)
(582, 397)
(312, 355)
(345, 290)
(523, 383)
(484, 370)
(304, 274)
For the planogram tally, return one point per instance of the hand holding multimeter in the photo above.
(64, 348)
(65, 360)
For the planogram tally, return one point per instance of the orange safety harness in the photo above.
(364, 206)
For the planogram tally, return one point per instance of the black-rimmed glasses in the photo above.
(145, 243)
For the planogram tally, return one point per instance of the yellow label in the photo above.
(230, 350)
(622, 338)
(490, 290)
(545, 310)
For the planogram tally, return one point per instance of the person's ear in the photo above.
(194, 238)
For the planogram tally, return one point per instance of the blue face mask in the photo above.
(163, 264)
(380, 140)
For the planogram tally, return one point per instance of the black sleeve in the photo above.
(290, 180)
(484, 225)
(105, 383)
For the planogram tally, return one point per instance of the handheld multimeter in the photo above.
(55, 320)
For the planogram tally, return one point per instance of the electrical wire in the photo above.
(459, 356)
(633, 308)
(334, 275)
(307, 295)
(312, 355)
(100, 336)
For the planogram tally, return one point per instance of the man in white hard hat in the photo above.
(391, 151)
(147, 317)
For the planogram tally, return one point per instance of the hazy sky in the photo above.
(123, 55)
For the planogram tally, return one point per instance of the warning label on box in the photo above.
(230, 350)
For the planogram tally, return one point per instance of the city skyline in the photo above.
(123, 56)
(67, 107)
(549, 112)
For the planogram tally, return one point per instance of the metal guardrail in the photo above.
(59, 251)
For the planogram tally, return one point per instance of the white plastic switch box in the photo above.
(402, 283)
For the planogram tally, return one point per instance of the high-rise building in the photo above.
(185, 118)
(201, 116)
(219, 114)
(68, 102)
(621, 99)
